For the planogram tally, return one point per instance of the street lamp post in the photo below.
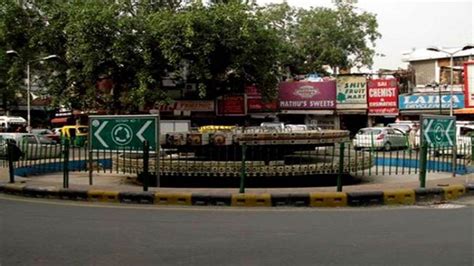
(451, 55)
(28, 83)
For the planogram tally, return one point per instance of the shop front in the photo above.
(304, 102)
(258, 109)
(199, 111)
(351, 102)
(382, 101)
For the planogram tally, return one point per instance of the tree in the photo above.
(224, 46)
(342, 37)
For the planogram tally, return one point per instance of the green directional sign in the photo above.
(123, 132)
(438, 130)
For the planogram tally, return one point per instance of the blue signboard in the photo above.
(430, 101)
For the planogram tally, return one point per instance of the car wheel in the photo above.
(387, 146)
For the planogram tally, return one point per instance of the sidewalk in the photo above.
(121, 182)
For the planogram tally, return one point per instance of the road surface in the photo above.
(42, 232)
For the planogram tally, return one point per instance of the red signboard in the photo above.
(307, 95)
(469, 84)
(383, 97)
(231, 105)
(255, 103)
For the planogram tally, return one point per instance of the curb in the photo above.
(391, 197)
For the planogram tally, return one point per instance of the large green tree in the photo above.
(343, 37)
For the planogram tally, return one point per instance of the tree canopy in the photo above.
(221, 46)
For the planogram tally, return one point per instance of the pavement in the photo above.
(440, 184)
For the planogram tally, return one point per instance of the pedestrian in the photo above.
(412, 137)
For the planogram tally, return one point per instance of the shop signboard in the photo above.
(303, 95)
(469, 84)
(351, 92)
(430, 101)
(382, 97)
(231, 105)
(255, 103)
(191, 106)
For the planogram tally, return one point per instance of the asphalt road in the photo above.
(37, 232)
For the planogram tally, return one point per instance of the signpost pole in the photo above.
(90, 155)
(423, 155)
(158, 147)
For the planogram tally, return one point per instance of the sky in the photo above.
(408, 24)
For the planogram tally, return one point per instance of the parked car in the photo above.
(385, 138)
(46, 133)
(405, 127)
(33, 146)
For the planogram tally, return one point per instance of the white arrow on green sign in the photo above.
(123, 132)
(438, 130)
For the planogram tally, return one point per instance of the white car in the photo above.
(380, 138)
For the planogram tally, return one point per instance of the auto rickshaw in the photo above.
(77, 135)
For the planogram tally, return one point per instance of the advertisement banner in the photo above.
(231, 105)
(307, 95)
(469, 84)
(430, 101)
(382, 97)
(351, 92)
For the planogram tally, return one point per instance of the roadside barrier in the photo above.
(103, 196)
(328, 199)
(14, 189)
(73, 194)
(251, 200)
(317, 199)
(429, 195)
(173, 198)
(41, 192)
(453, 192)
(137, 197)
(365, 198)
(399, 196)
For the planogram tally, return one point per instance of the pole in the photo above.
(242, 170)
(439, 100)
(341, 167)
(146, 157)
(11, 169)
(423, 155)
(66, 164)
(451, 90)
(28, 90)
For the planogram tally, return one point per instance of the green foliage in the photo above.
(222, 47)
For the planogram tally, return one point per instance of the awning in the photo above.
(59, 120)
(308, 112)
(464, 111)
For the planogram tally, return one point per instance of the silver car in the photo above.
(33, 146)
(385, 138)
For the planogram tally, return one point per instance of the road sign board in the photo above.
(123, 132)
(438, 130)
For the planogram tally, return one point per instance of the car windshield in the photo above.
(368, 131)
(82, 130)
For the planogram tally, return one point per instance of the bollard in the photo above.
(423, 154)
(66, 164)
(341, 167)
(146, 156)
(11, 169)
(242, 170)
